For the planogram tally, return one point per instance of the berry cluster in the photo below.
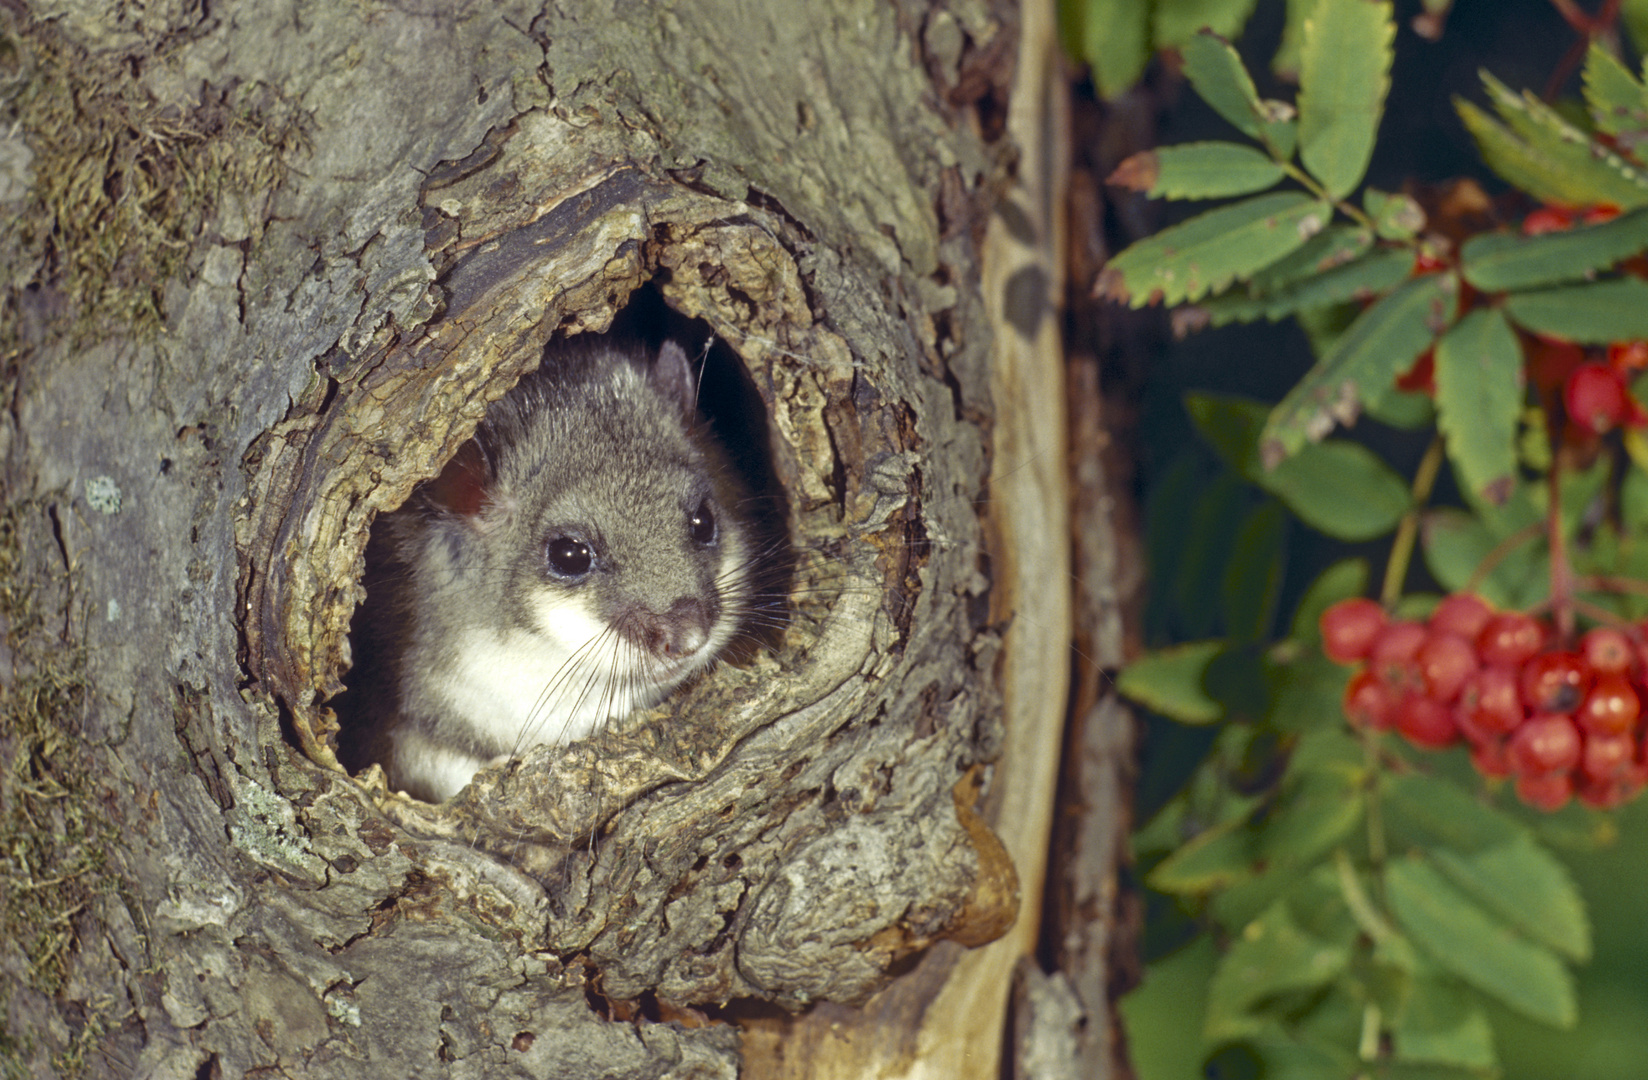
(1563, 722)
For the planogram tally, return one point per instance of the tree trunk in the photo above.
(268, 263)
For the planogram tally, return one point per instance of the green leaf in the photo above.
(1208, 252)
(1334, 246)
(1112, 36)
(1344, 74)
(1439, 1025)
(1216, 71)
(1382, 343)
(1200, 170)
(1548, 157)
(1526, 886)
(1634, 14)
(1429, 811)
(1178, 22)
(1395, 217)
(1476, 947)
(1363, 279)
(1591, 314)
(1340, 488)
(1616, 99)
(1341, 581)
(1478, 400)
(1285, 64)
(1160, 1041)
(1169, 681)
(1216, 859)
(1456, 542)
(1500, 262)
(1318, 810)
(1271, 955)
(1253, 576)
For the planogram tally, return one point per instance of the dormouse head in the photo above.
(604, 510)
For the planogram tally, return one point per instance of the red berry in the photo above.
(1394, 655)
(1550, 792)
(1607, 650)
(1463, 613)
(1606, 796)
(1445, 662)
(1547, 219)
(1555, 682)
(1492, 700)
(1545, 744)
(1608, 757)
(1349, 627)
(1426, 722)
(1596, 398)
(1511, 638)
(1369, 702)
(1611, 708)
(1491, 759)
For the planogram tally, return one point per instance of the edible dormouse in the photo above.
(580, 557)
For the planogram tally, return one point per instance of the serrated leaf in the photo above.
(1344, 74)
(1544, 155)
(1382, 343)
(1362, 279)
(1285, 64)
(1112, 36)
(1438, 1024)
(1271, 955)
(1178, 22)
(1526, 886)
(1334, 246)
(1169, 681)
(1591, 314)
(1217, 73)
(1501, 262)
(1208, 252)
(1215, 859)
(1340, 488)
(1478, 400)
(1201, 170)
(1478, 948)
(1616, 99)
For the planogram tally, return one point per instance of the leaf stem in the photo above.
(1500, 551)
(1309, 183)
(1396, 567)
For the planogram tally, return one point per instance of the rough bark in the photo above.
(370, 221)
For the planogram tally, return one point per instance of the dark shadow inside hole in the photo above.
(737, 415)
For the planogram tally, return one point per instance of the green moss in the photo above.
(54, 835)
(124, 185)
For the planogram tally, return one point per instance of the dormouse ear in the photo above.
(675, 377)
(461, 487)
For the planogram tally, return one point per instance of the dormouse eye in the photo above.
(568, 558)
(701, 524)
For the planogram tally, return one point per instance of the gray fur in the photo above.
(600, 446)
